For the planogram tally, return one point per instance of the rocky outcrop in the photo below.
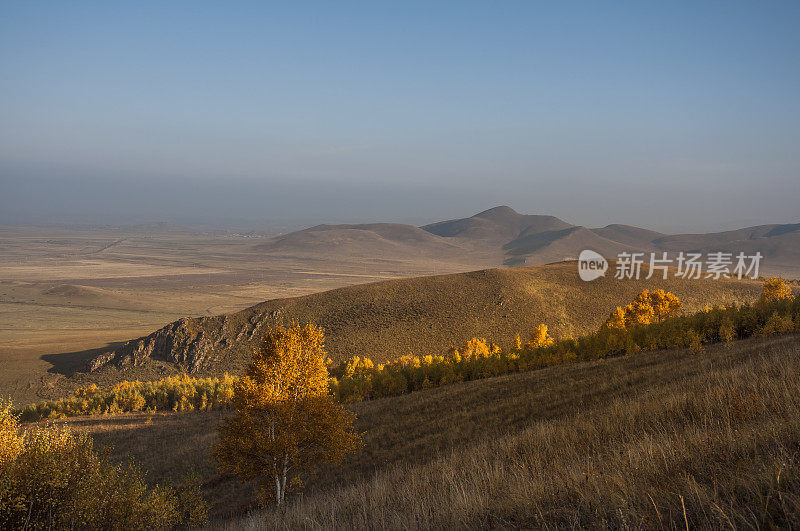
(191, 344)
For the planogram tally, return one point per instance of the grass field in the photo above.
(584, 444)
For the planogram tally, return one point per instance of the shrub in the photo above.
(693, 342)
(776, 324)
(775, 289)
(51, 477)
(727, 330)
(540, 338)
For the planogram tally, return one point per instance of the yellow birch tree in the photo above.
(285, 422)
(775, 289)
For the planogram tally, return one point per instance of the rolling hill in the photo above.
(427, 315)
(502, 236)
(370, 240)
(496, 225)
(422, 315)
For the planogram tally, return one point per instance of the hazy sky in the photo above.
(674, 116)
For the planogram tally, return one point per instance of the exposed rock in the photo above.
(192, 344)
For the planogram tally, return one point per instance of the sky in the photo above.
(676, 116)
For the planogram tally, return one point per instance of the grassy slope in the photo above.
(428, 315)
(661, 440)
(453, 455)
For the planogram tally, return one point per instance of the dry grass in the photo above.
(717, 448)
(427, 315)
(64, 292)
(556, 421)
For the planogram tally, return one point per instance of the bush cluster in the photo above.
(51, 477)
(777, 311)
(176, 393)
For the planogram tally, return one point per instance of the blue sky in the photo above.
(596, 112)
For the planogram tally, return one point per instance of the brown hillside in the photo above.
(554, 246)
(779, 245)
(457, 423)
(423, 315)
(629, 235)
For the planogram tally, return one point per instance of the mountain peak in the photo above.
(502, 211)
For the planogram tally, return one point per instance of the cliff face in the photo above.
(191, 344)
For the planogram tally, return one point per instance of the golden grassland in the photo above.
(69, 294)
(587, 443)
(706, 436)
(428, 315)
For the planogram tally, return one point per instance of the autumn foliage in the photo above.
(51, 477)
(648, 307)
(540, 338)
(180, 393)
(286, 423)
(775, 289)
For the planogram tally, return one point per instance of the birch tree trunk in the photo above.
(278, 494)
(280, 482)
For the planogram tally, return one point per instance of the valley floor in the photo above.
(659, 438)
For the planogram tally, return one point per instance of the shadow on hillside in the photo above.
(69, 363)
(514, 261)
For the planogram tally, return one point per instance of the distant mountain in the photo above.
(373, 239)
(566, 244)
(502, 236)
(498, 225)
(778, 244)
(628, 235)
